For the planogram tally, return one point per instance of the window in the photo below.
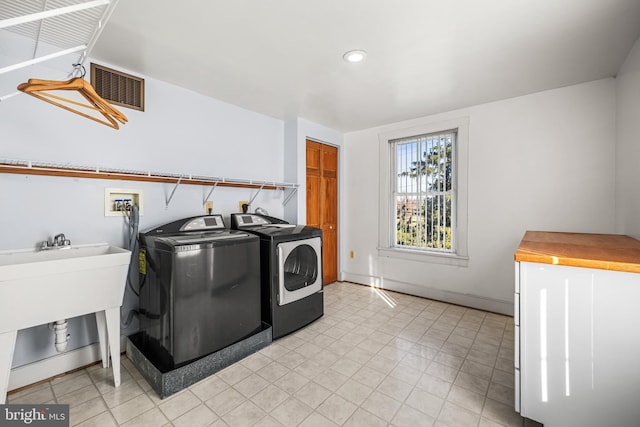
(423, 193)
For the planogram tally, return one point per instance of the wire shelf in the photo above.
(33, 167)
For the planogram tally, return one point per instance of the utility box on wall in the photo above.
(118, 201)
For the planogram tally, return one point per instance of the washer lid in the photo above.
(285, 233)
(189, 240)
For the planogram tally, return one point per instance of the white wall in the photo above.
(180, 132)
(628, 148)
(538, 162)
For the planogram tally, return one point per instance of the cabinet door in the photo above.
(580, 345)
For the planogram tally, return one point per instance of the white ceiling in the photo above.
(283, 58)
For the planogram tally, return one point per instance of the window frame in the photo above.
(418, 141)
(387, 208)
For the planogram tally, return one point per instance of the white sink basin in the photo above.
(41, 286)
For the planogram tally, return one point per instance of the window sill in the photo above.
(424, 256)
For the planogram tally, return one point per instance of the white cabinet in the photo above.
(577, 357)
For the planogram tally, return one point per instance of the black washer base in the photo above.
(171, 382)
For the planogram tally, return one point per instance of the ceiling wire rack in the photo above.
(31, 167)
(68, 27)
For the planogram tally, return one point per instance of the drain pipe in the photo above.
(60, 329)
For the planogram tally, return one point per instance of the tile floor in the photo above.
(376, 358)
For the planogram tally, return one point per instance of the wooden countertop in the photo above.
(603, 251)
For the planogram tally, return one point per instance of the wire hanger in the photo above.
(40, 89)
(79, 67)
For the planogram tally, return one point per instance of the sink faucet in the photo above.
(58, 242)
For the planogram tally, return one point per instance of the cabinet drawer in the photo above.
(516, 309)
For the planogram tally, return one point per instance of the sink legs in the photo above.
(101, 324)
(108, 323)
(7, 345)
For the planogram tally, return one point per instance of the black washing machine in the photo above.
(291, 265)
(200, 291)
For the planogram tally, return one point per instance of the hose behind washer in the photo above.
(134, 219)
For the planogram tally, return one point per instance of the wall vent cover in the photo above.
(117, 87)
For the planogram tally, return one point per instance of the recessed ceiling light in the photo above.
(354, 56)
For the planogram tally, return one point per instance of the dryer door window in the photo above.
(299, 269)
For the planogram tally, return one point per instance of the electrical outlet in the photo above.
(209, 207)
(241, 203)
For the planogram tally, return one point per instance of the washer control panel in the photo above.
(250, 219)
(209, 222)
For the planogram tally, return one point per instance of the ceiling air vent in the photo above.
(117, 87)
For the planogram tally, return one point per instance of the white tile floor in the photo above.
(376, 358)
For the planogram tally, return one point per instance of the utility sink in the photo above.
(38, 287)
(43, 286)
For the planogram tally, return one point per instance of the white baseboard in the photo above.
(467, 300)
(55, 365)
